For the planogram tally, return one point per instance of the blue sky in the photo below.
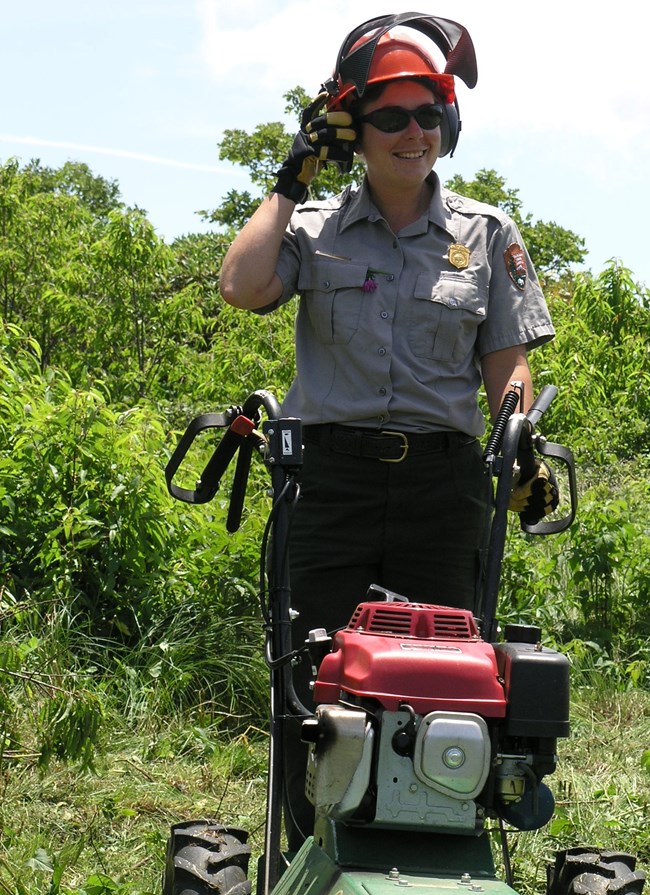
(142, 90)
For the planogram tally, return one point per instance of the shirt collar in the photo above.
(360, 206)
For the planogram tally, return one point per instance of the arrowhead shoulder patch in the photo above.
(515, 260)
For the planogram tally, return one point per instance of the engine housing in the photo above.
(422, 724)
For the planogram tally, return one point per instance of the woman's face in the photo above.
(406, 157)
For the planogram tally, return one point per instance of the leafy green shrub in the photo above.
(588, 588)
(91, 538)
(600, 362)
(48, 706)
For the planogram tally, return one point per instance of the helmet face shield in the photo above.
(392, 58)
(356, 56)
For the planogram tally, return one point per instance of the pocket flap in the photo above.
(452, 292)
(331, 274)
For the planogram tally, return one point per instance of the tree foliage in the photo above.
(105, 297)
(262, 153)
(600, 360)
(98, 195)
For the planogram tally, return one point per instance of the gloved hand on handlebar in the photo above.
(324, 137)
(536, 497)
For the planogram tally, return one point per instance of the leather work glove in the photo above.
(324, 137)
(536, 497)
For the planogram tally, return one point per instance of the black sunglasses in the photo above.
(392, 119)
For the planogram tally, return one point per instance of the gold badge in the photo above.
(458, 255)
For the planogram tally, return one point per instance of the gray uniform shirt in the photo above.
(389, 333)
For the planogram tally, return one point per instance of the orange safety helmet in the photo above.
(372, 53)
(394, 57)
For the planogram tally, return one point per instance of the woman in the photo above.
(411, 298)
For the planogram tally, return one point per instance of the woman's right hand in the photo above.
(324, 138)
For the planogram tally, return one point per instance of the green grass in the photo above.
(115, 821)
(601, 786)
(62, 828)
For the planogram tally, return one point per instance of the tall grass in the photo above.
(62, 828)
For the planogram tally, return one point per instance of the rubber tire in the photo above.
(592, 871)
(206, 858)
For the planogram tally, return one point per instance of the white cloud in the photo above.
(254, 48)
(559, 67)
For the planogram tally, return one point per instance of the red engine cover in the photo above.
(431, 657)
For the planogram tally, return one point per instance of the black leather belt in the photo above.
(381, 444)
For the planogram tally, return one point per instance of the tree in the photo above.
(98, 195)
(88, 278)
(600, 361)
(41, 234)
(262, 152)
(135, 327)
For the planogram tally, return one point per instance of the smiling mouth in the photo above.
(410, 155)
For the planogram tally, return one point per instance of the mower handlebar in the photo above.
(241, 432)
(517, 444)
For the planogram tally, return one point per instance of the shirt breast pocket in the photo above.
(446, 312)
(333, 291)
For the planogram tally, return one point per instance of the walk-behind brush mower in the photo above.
(430, 728)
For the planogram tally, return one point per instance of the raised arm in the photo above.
(248, 278)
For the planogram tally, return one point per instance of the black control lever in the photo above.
(240, 481)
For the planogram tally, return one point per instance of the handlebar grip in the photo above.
(237, 429)
(196, 426)
(525, 453)
(541, 404)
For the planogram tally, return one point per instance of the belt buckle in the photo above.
(404, 446)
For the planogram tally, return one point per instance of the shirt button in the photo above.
(326, 284)
(381, 352)
(384, 315)
(382, 391)
(390, 277)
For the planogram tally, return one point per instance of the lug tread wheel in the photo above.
(206, 858)
(592, 871)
